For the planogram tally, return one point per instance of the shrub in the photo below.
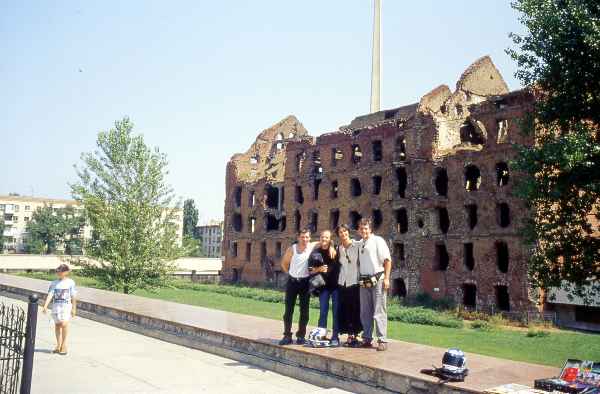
(425, 300)
(420, 315)
(498, 320)
(471, 315)
(481, 325)
(533, 332)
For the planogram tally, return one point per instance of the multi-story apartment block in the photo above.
(211, 235)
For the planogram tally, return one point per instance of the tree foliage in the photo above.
(129, 206)
(559, 60)
(190, 217)
(192, 246)
(55, 230)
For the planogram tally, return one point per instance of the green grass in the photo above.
(551, 348)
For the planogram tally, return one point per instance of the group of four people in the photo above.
(356, 278)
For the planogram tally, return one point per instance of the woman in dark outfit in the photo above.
(320, 262)
(349, 316)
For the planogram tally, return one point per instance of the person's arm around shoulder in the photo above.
(48, 298)
(73, 299)
(286, 260)
(383, 253)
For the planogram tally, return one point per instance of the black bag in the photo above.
(316, 283)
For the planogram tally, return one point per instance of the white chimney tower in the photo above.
(376, 65)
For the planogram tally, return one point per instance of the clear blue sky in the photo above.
(201, 78)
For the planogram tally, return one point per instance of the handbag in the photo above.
(315, 283)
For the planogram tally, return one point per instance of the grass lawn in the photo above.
(512, 344)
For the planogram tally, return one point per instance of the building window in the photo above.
(377, 219)
(399, 255)
(402, 181)
(278, 250)
(251, 198)
(401, 148)
(27, 207)
(502, 174)
(336, 156)
(472, 178)
(441, 258)
(356, 154)
(503, 214)
(355, 188)
(334, 219)
(354, 219)
(316, 185)
(297, 220)
(317, 168)
(401, 221)
(441, 182)
(468, 256)
(502, 256)
(377, 184)
(334, 189)
(299, 195)
(502, 298)
(314, 222)
(377, 150)
(238, 196)
(471, 215)
(470, 295)
(443, 219)
(248, 251)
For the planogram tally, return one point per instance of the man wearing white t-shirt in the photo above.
(375, 264)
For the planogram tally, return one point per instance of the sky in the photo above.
(200, 79)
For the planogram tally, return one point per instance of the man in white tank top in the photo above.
(295, 263)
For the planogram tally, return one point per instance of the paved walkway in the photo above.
(104, 359)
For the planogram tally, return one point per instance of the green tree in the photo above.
(559, 61)
(128, 204)
(190, 217)
(52, 230)
(192, 246)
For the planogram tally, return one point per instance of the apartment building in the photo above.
(211, 235)
(17, 211)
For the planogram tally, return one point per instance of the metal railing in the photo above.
(17, 343)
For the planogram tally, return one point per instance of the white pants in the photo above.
(61, 312)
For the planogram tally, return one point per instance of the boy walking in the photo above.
(62, 293)
(375, 264)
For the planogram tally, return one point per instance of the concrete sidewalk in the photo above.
(104, 359)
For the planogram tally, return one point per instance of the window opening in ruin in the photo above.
(441, 258)
(248, 251)
(271, 197)
(237, 196)
(279, 145)
(377, 184)
(468, 255)
(502, 174)
(251, 198)
(471, 215)
(334, 219)
(334, 189)
(443, 219)
(336, 156)
(236, 220)
(441, 182)
(472, 178)
(316, 185)
(278, 250)
(459, 110)
(470, 295)
(402, 181)
(399, 288)
(281, 196)
(291, 135)
(401, 221)
(271, 222)
(502, 131)
(502, 256)
(399, 254)
(469, 134)
(401, 148)
(235, 275)
(502, 298)
(263, 251)
(317, 168)
(279, 137)
(299, 195)
(234, 249)
(297, 220)
(314, 221)
(377, 219)
(503, 214)
(282, 223)
(300, 158)
(252, 224)
(390, 114)
(420, 222)
(377, 150)
(355, 188)
(354, 219)
(356, 154)
(254, 160)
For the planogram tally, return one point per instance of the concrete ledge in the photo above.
(254, 340)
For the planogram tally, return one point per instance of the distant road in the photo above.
(104, 359)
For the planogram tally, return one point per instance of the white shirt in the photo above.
(62, 291)
(348, 264)
(299, 263)
(372, 254)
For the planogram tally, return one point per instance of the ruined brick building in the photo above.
(433, 176)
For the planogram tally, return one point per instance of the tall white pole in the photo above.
(376, 65)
